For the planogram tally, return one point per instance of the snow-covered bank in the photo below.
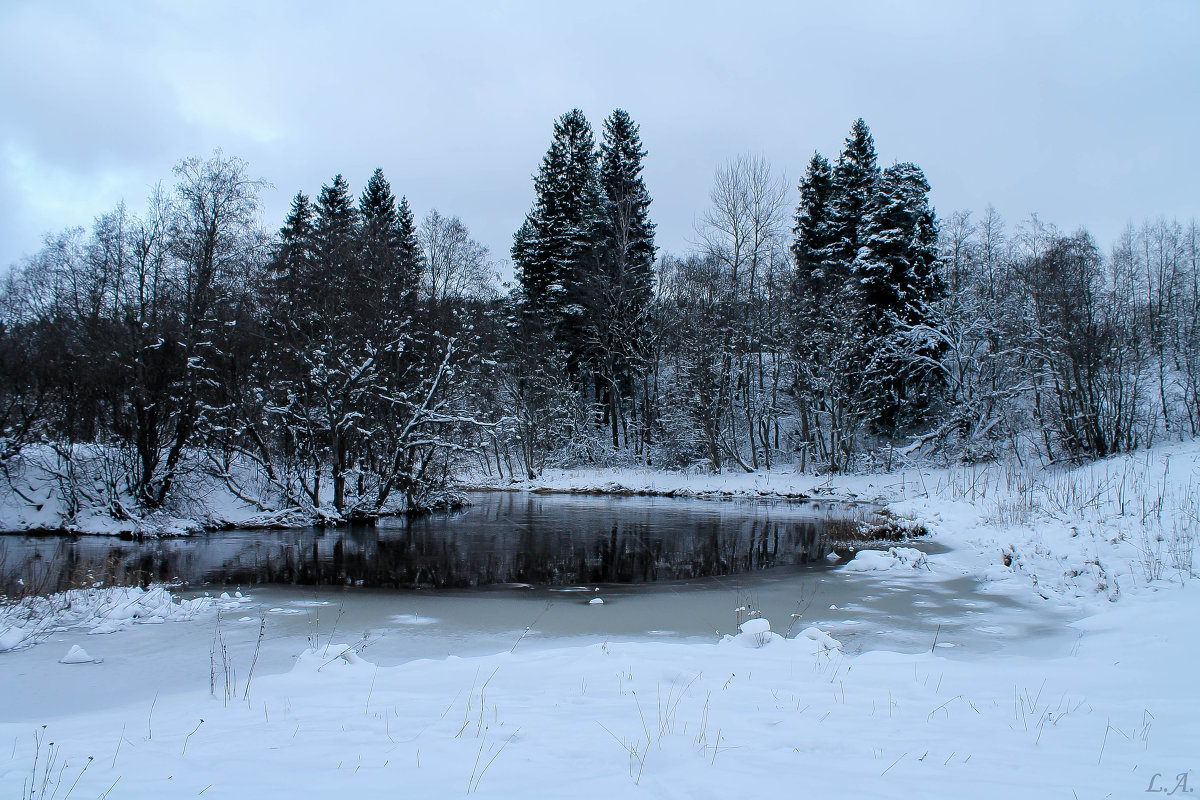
(46, 490)
(84, 490)
(1077, 532)
(661, 720)
(781, 483)
(1115, 713)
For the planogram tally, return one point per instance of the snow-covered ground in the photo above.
(1112, 712)
(783, 482)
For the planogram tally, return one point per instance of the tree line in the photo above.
(357, 362)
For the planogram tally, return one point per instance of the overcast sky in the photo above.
(1087, 113)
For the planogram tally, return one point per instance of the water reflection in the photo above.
(549, 540)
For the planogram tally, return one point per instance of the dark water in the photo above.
(502, 538)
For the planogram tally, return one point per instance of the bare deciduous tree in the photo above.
(456, 266)
(743, 234)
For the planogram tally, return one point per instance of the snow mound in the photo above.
(596, 601)
(330, 656)
(819, 637)
(885, 560)
(77, 655)
(754, 633)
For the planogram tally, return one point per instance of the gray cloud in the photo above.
(1084, 112)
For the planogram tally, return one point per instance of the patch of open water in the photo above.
(501, 538)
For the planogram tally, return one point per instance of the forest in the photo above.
(354, 361)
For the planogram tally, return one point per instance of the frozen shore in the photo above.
(778, 484)
(1113, 711)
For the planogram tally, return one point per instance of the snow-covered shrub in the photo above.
(108, 610)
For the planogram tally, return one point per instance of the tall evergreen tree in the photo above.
(826, 350)
(379, 234)
(855, 178)
(390, 254)
(556, 247)
(404, 289)
(865, 290)
(896, 268)
(295, 303)
(897, 283)
(337, 219)
(336, 249)
(624, 285)
(813, 230)
(629, 231)
(292, 265)
(338, 369)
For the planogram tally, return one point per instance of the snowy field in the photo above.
(1102, 704)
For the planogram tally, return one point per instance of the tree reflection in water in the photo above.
(549, 540)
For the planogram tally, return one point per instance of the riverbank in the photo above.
(1096, 530)
(1100, 704)
(776, 484)
(35, 501)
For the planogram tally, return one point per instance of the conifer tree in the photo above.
(390, 255)
(864, 295)
(298, 225)
(337, 219)
(292, 264)
(379, 234)
(896, 280)
(827, 352)
(336, 367)
(336, 249)
(895, 271)
(855, 177)
(854, 181)
(813, 230)
(556, 247)
(404, 289)
(624, 285)
(629, 231)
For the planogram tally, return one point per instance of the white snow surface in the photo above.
(755, 626)
(1111, 711)
(883, 560)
